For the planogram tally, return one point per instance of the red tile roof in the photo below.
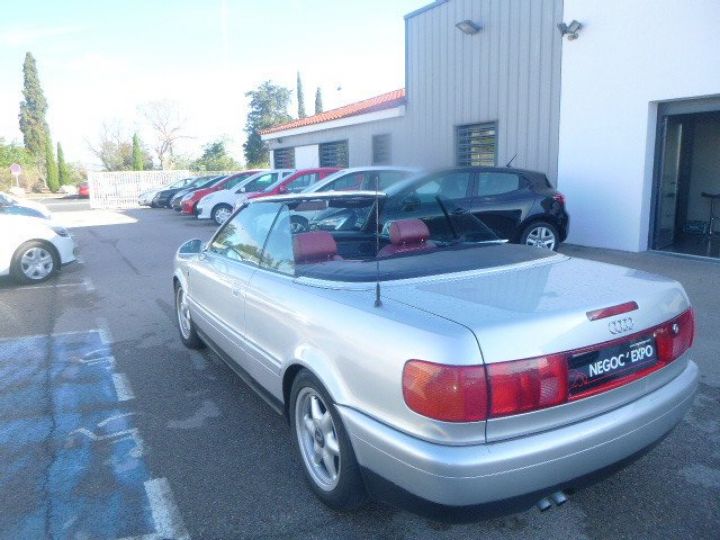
(377, 103)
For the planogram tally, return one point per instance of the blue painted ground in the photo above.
(71, 462)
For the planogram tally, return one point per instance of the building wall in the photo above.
(359, 139)
(509, 72)
(629, 57)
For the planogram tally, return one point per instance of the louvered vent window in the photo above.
(284, 158)
(334, 154)
(381, 149)
(476, 145)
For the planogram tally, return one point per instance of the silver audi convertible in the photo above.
(425, 362)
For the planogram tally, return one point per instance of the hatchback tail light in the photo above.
(474, 393)
(559, 197)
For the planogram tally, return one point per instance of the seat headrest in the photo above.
(408, 231)
(313, 247)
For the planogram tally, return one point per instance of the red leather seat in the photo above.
(407, 235)
(314, 247)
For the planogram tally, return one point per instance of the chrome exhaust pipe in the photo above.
(559, 498)
(544, 504)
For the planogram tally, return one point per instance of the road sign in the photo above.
(15, 170)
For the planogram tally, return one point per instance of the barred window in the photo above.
(381, 151)
(334, 154)
(284, 158)
(476, 145)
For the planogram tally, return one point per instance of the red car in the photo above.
(83, 190)
(188, 206)
(296, 182)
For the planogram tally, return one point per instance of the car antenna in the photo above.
(378, 302)
(511, 160)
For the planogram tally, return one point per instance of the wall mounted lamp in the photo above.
(468, 27)
(570, 30)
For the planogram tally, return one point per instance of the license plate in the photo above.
(597, 368)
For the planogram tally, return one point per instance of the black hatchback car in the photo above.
(162, 198)
(518, 205)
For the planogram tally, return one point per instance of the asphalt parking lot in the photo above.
(108, 425)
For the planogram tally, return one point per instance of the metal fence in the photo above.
(121, 189)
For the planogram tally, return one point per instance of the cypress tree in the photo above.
(63, 171)
(318, 101)
(138, 163)
(300, 98)
(32, 110)
(51, 178)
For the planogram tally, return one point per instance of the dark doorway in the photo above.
(687, 175)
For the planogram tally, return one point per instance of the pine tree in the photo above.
(137, 154)
(51, 178)
(62, 168)
(318, 101)
(32, 110)
(300, 97)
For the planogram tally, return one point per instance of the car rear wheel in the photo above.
(188, 334)
(221, 213)
(327, 455)
(35, 262)
(540, 234)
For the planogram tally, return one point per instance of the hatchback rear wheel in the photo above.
(327, 455)
(540, 234)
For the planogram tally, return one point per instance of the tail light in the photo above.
(448, 393)
(526, 385)
(675, 337)
(559, 197)
(473, 393)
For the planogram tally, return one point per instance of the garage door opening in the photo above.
(687, 180)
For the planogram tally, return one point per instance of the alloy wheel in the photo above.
(37, 263)
(317, 438)
(183, 313)
(222, 215)
(541, 237)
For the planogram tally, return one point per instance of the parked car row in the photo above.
(33, 247)
(517, 205)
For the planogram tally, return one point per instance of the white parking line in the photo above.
(168, 521)
(122, 387)
(89, 287)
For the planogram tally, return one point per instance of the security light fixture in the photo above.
(468, 27)
(570, 30)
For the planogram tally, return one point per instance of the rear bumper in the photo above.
(489, 473)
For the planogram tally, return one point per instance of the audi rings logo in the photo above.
(620, 326)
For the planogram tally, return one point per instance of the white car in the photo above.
(33, 249)
(146, 197)
(363, 178)
(219, 205)
(9, 200)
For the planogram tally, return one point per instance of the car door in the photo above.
(218, 281)
(500, 200)
(272, 324)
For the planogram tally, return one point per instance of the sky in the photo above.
(100, 60)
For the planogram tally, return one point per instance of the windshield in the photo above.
(179, 183)
(260, 183)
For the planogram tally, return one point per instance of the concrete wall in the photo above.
(629, 57)
(509, 72)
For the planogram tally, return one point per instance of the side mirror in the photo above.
(191, 247)
(242, 190)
